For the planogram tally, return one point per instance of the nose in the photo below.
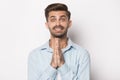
(58, 23)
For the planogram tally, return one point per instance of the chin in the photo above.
(59, 36)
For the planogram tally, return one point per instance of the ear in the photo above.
(70, 23)
(46, 24)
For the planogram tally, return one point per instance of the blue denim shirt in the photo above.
(76, 66)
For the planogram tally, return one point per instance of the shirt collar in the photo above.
(49, 49)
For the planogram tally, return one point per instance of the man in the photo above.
(59, 57)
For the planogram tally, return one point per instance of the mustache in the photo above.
(59, 26)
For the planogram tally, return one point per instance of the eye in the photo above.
(52, 20)
(63, 19)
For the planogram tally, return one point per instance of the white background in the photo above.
(96, 27)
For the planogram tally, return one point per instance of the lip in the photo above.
(58, 30)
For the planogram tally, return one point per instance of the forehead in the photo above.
(57, 14)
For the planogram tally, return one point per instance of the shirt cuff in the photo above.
(63, 69)
(50, 71)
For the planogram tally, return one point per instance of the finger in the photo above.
(58, 59)
(55, 59)
(56, 50)
(55, 47)
(57, 43)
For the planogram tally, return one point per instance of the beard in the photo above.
(58, 35)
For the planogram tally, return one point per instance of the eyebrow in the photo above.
(63, 16)
(60, 16)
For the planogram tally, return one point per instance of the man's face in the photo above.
(58, 23)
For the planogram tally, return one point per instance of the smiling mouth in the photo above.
(58, 28)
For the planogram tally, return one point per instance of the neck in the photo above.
(63, 42)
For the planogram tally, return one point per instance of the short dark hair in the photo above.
(57, 7)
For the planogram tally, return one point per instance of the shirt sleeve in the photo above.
(83, 70)
(35, 72)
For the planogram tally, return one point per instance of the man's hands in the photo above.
(57, 57)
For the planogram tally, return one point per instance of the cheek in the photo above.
(51, 24)
(64, 24)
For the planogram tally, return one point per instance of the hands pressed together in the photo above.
(57, 57)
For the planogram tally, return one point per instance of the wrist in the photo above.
(62, 63)
(54, 66)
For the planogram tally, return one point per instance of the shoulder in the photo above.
(82, 53)
(80, 50)
(34, 53)
(37, 51)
